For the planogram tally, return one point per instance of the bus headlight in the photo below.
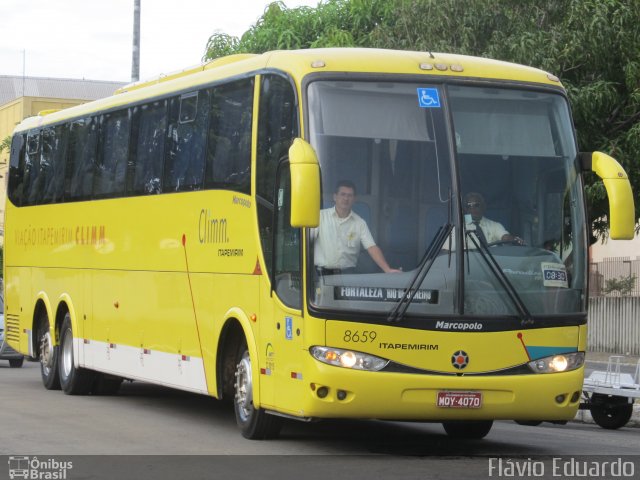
(558, 363)
(348, 358)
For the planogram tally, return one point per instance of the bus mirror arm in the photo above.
(584, 160)
(622, 217)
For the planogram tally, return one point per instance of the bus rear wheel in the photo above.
(471, 430)
(73, 380)
(255, 423)
(48, 355)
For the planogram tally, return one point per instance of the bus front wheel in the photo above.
(255, 423)
(73, 380)
(472, 430)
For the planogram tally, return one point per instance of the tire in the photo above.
(529, 423)
(48, 356)
(16, 362)
(608, 413)
(105, 384)
(471, 430)
(254, 423)
(73, 380)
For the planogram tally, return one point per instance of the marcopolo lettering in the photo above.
(440, 325)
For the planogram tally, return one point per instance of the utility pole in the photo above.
(135, 59)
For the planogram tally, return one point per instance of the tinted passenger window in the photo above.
(16, 168)
(229, 142)
(186, 143)
(112, 165)
(83, 139)
(31, 168)
(151, 132)
(57, 145)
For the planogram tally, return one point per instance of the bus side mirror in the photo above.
(305, 185)
(622, 213)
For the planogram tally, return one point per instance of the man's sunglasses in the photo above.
(474, 204)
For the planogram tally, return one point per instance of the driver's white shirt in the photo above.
(493, 231)
(338, 240)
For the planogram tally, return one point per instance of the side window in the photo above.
(40, 175)
(112, 163)
(31, 166)
(277, 128)
(186, 142)
(16, 168)
(83, 140)
(149, 147)
(54, 179)
(287, 245)
(229, 139)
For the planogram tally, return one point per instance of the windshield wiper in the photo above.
(423, 268)
(500, 275)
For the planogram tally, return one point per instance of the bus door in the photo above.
(283, 342)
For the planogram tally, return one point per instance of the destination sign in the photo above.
(382, 294)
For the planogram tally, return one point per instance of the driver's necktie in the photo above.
(480, 233)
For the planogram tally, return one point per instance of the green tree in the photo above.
(5, 144)
(623, 285)
(592, 45)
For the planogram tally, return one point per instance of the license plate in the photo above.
(448, 399)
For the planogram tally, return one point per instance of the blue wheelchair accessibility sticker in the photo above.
(428, 98)
(289, 328)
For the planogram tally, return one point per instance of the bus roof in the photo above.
(299, 63)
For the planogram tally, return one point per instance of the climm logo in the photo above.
(91, 235)
(212, 230)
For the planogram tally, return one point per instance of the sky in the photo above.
(92, 39)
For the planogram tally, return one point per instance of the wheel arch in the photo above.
(236, 325)
(65, 305)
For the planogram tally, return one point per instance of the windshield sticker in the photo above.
(428, 98)
(554, 275)
(378, 294)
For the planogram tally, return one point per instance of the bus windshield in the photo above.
(494, 168)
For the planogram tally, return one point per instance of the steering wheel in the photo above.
(516, 241)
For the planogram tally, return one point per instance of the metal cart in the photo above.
(610, 395)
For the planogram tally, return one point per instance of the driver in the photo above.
(488, 231)
(341, 233)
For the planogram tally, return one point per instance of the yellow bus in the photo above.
(171, 234)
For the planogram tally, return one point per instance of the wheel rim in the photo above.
(46, 352)
(67, 353)
(244, 388)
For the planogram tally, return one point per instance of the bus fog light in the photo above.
(560, 398)
(348, 358)
(341, 395)
(323, 392)
(558, 363)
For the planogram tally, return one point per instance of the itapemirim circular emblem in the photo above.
(460, 359)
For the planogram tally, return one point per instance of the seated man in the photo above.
(341, 233)
(487, 230)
